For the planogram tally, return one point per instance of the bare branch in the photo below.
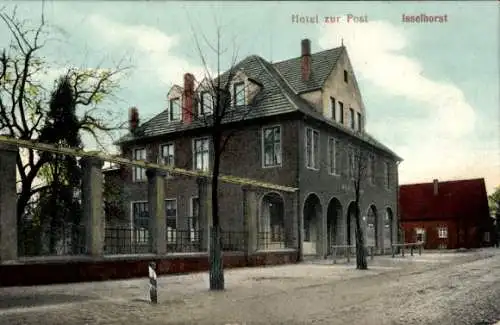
(40, 189)
(200, 52)
(23, 97)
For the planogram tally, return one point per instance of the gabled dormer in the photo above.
(205, 98)
(174, 103)
(243, 89)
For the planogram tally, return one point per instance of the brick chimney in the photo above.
(133, 121)
(436, 187)
(188, 98)
(306, 59)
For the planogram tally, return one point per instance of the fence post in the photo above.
(92, 198)
(156, 205)
(420, 249)
(403, 250)
(411, 250)
(250, 219)
(334, 253)
(393, 251)
(8, 199)
(153, 289)
(372, 252)
(348, 251)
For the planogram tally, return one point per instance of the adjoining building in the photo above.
(447, 215)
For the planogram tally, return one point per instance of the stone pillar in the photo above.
(92, 205)
(380, 232)
(293, 239)
(205, 221)
(8, 202)
(156, 206)
(290, 221)
(250, 218)
(299, 218)
(396, 237)
(323, 232)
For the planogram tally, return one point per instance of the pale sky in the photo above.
(431, 90)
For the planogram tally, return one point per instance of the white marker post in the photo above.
(153, 293)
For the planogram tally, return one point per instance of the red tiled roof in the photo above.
(455, 199)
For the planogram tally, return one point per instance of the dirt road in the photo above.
(444, 289)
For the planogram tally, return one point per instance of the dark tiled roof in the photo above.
(455, 199)
(269, 101)
(322, 64)
(281, 84)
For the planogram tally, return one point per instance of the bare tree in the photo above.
(223, 100)
(361, 170)
(24, 99)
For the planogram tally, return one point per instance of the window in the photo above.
(345, 76)
(175, 109)
(140, 220)
(387, 220)
(370, 220)
(167, 155)
(206, 103)
(333, 108)
(371, 169)
(420, 235)
(193, 220)
(239, 94)
(201, 154)
(352, 164)
(341, 113)
(271, 146)
(443, 232)
(171, 219)
(312, 149)
(332, 156)
(360, 122)
(139, 173)
(353, 122)
(387, 175)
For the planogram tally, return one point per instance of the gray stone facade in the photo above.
(314, 219)
(323, 198)
(244, 159)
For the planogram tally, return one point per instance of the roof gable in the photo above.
(322, 64)
(175, 91)
(455, 199)
(280, 84)
(204, 85)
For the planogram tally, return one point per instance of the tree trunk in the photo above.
(52, 234)
(361, 263)
(25, 195)
(216, 265)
